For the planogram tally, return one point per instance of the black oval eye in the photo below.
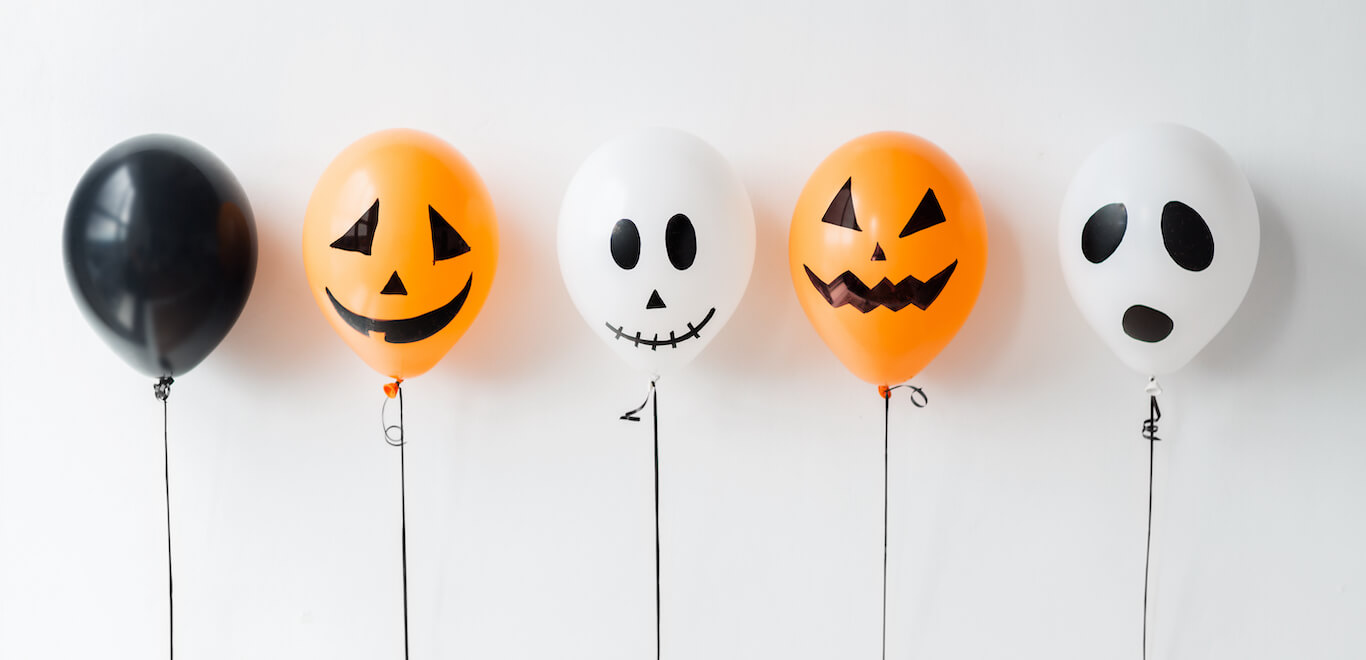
(626, 244)
(841, 211)
(447, 243)
(681, 241)
(361, 236)
(1187, 237)
(1103, 232)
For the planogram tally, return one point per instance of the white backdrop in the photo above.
(1018, 495)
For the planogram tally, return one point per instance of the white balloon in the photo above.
(656, 246)
(1159, 240)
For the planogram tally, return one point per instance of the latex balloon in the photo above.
(1159, 239)
(887, 252)
(656, 245)
(160, 252)
(400, 246)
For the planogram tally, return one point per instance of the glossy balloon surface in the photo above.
(160, 251)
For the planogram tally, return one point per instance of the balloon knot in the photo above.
(162, 388)
(884, 391)
(391, 389)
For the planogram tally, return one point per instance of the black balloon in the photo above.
(160, 251)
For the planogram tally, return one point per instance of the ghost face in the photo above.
(656, 244)
(1159, 239)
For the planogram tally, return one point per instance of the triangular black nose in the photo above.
(655, 301)
(877, 253)
(394, 287)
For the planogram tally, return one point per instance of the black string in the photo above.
(886, 424)
(658, 618)
(633, 415)
(402, 497)
(919, 400)
(162, 390)
(1149, 434)
(652, 398)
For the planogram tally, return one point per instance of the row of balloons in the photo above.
(656, 242)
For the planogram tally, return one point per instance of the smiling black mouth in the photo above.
(1147, 324)
(405, 331)
(848, 289)
(673, 341)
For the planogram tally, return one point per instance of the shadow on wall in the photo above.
(281, 331)
(521, 326)
(984, 339)
(768, 337)
(1262, 318)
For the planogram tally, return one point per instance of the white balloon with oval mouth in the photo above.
(656, 246)
(1159, 240)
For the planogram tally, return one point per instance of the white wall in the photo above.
(1018, 496)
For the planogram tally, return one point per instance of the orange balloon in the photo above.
(400, 246)
(888, 249)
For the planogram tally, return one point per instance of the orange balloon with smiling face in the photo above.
(400, 246)
(888, 249)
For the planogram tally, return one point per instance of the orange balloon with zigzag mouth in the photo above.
(887, 252)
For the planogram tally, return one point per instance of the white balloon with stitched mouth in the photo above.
(1159, 240)
(656, 246)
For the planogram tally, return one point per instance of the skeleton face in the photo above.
(656, 244)
(1159, 239)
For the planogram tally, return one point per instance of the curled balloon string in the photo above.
(652, 396)
(633, 415)
(162, 390)
(918, 397)
(1150, 434)
(393, 433)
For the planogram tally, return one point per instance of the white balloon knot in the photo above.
(1153, 389)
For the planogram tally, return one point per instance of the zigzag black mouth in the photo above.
(672, 341)
(848, 289)
(405, 331)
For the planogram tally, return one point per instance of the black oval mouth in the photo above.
(404, 331)
(1146, 324)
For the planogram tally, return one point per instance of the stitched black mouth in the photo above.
(672, 342)
(405, 331)
(848, 289)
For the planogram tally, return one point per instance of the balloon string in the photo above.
(652, 398)
(1149, 434)
(658, 618)
(886, 424)
(919, 400)
(162, 390)
(633, 415)
(393, 434)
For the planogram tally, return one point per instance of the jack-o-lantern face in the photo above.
(400, 245)
(887, 253)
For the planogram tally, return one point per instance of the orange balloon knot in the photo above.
(391, 389)
(884, 391)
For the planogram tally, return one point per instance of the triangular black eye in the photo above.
(361, 235)
(447, 243)
(1103, 231)
(927, 215)
(1187, 237)
(841, 211)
